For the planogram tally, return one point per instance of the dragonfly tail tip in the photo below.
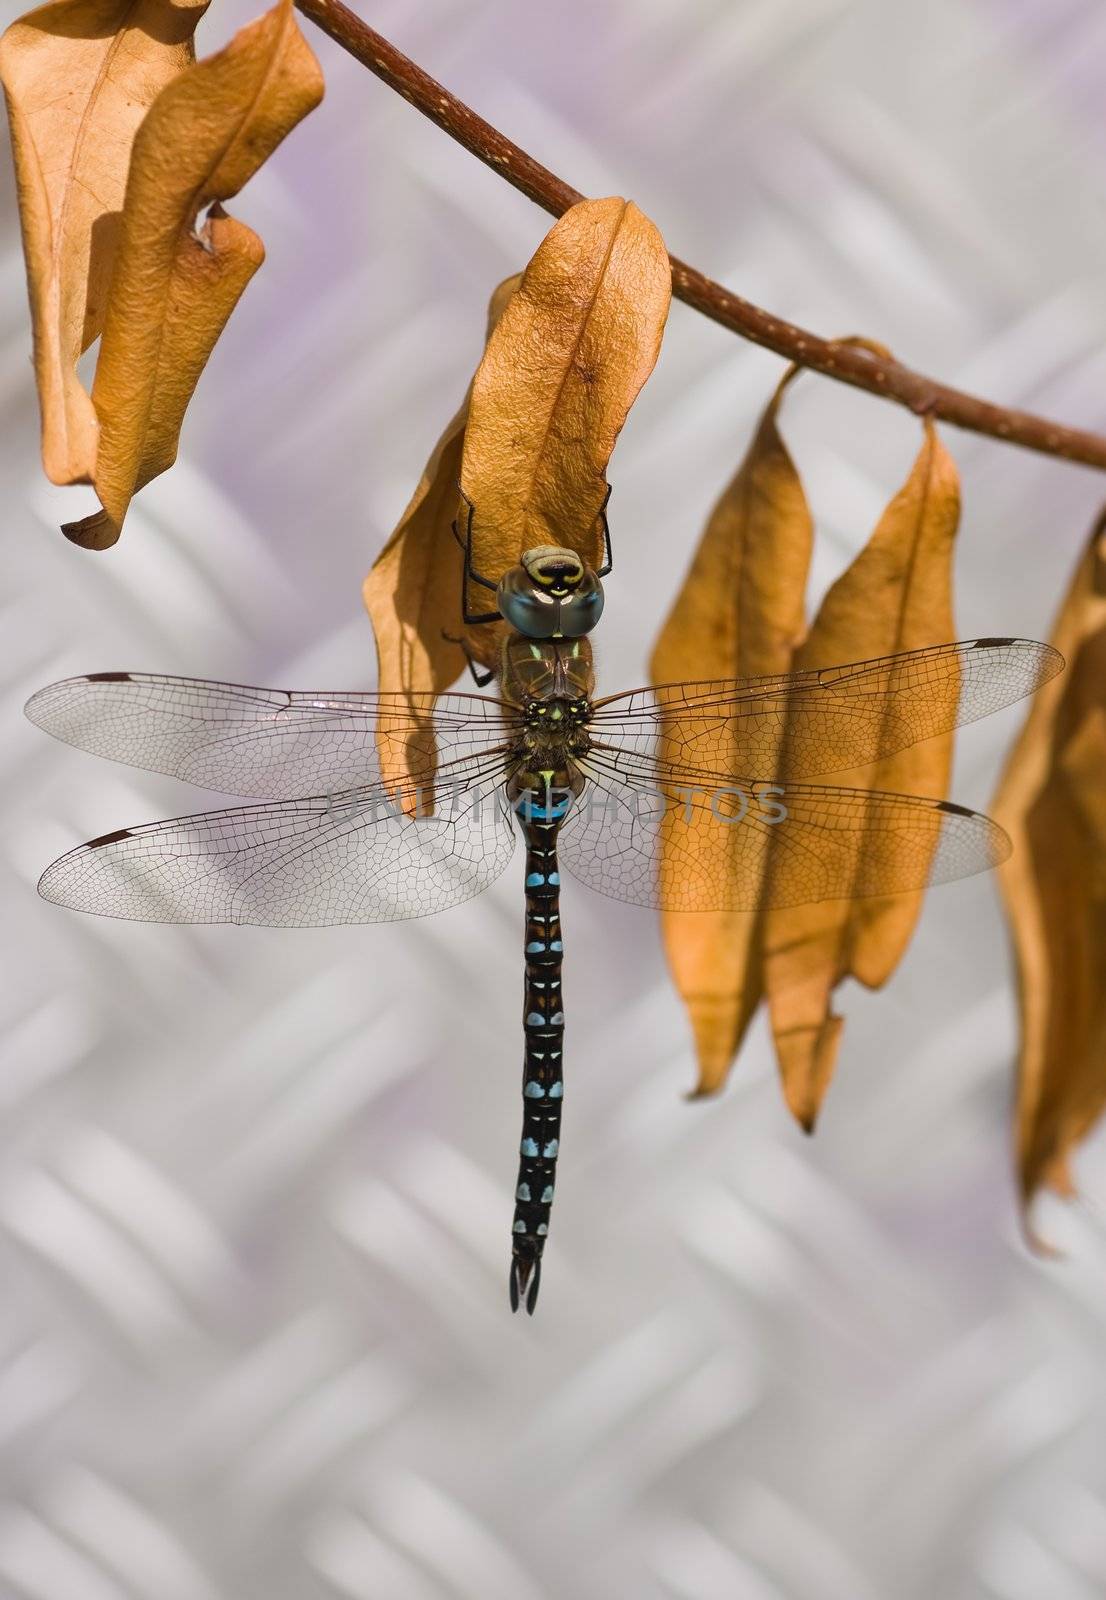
(525, 1279)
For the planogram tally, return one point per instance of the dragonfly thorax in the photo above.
(542, 711)
(555, 728)
(551, 594)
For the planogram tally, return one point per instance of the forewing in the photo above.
(657, 846)
(804, 724)
(270, 744)
(353, 857)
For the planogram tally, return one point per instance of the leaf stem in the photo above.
(848, 363)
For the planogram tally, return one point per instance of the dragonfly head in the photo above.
(551, 594)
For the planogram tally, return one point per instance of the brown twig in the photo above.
(853, 365)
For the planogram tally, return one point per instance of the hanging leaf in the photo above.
(174, 287)
(79, 76)
(1052, 801)
(559, 375)
(740, 613)
(896, 595)
(413, 591)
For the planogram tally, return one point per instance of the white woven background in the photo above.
(255, 1198)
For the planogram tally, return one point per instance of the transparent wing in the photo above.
(684, 849)
(271, 744)
(804, 724)
(354, 857)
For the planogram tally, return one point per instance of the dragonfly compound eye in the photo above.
(551, 594)
(582, 610)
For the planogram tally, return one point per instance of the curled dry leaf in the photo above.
(79, 76)
(570, 342)
(559, 375)
(739, 614)
(1052, 801)
(174, 287)
(413, 591)
(896, 595)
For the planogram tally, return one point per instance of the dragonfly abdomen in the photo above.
(542, 1080)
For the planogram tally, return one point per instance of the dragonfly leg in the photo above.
(608, 553)
(482, 676)
(470, 574)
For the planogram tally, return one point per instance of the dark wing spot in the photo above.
(957, 811)
(990, 644)
(109, 838)
(108, 677)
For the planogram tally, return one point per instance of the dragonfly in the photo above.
(375, 807)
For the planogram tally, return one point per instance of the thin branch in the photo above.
(861, 368)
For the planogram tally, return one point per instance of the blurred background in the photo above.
(255, 1188)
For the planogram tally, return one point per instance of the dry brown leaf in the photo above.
(558, 378)
(739, 613)
(79, 76)
(896, 595)
(1052, 801)
(413, 590)
(173, 289)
